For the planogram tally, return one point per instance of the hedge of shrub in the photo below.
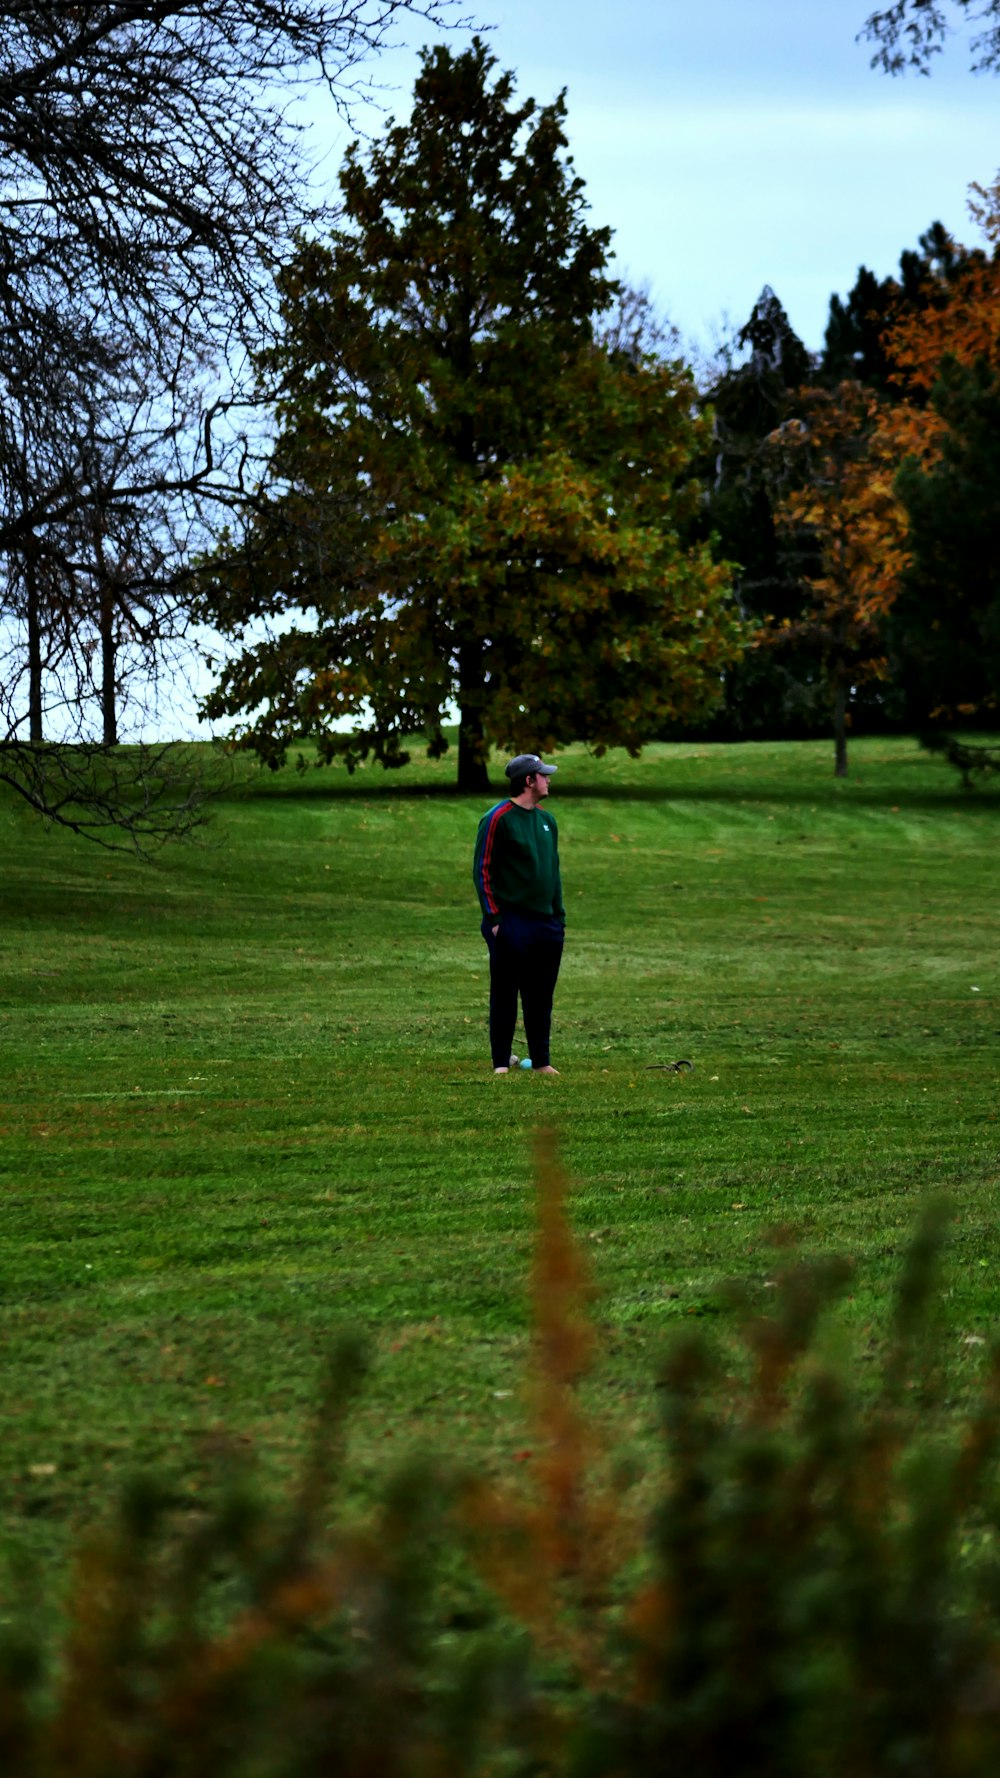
(816, 1592)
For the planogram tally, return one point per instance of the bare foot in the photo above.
(501, 1070)
(548, 1069)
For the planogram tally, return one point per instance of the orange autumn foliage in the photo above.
(838, 462)
(843, 495)
(960, 320)
(552, 1546)
(837, 508)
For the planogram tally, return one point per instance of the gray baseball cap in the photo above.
(527, 763)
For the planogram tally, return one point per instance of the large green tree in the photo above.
(472, 501)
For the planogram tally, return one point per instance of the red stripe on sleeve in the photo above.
(487, 853)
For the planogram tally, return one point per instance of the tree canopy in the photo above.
(472, 501)
(855, 345)
(840, 501)
(948, 615)
(845, 490)
(751, 394)
(946, 626)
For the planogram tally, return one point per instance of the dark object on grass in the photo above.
(672, 1067)
(972, 759)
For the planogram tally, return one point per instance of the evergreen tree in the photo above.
(855, 346)
(853, 343)
(751, 400)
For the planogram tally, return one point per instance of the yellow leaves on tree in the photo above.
(848, 503)
(838, 511)
(836, 467)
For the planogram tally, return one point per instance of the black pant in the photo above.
(524, 959)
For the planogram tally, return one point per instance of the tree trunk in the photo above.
(34, 621)
(109, 697)
(840, 694)
(472, 772)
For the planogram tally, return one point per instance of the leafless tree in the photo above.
(635, 329)
(152, 173)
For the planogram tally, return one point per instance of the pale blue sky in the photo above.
(733, 143)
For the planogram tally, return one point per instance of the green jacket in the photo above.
(516, 862)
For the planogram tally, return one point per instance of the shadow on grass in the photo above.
(832, 795)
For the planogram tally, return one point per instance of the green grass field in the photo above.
(246, 1099)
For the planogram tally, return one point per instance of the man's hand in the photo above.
(496, 929)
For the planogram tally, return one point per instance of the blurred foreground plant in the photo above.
(818, 1591)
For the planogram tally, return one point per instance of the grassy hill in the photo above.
(246, 1099)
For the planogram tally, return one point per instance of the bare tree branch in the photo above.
(152, 174)
(910, 33)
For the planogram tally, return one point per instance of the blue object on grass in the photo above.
(527, 1062)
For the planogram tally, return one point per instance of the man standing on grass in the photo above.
(516, 873)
